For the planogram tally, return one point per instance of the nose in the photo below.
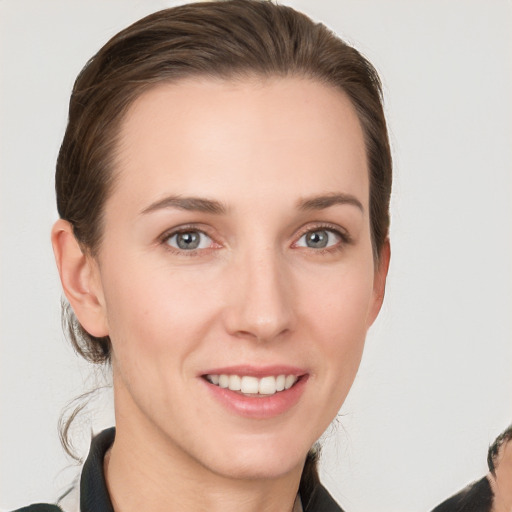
(261, 298)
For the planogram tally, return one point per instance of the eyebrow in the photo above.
(212, 206)
(326, 201)
(197, 204)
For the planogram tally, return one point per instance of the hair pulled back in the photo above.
(229, 39)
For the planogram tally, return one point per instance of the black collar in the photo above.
(93, 489)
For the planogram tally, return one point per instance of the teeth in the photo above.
(281, 379)
(267, 386)
(290, 381)
(249, 385)
(223, 381)
(235, 383)
(252, 385)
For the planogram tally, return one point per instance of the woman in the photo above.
(223, 187)
(175, 240)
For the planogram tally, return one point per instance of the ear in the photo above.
(80, 278)
(379, 282)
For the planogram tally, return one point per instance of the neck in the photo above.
(146, 472)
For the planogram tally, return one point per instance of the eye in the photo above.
(319, 239)
(189, 240)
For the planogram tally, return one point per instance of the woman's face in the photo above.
(237, 252)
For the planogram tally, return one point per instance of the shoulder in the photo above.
(39, 507)
(321, 501)
(492, 491)
(91, 478)
(476, 497)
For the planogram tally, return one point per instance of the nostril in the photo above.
(263, 335)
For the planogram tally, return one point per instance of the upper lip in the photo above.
(256, 371)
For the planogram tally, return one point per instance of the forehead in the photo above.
(245, 137)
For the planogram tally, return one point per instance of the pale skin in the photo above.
(275, 164)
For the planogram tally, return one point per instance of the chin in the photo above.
(258, 462)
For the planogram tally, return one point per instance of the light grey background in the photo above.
(435, 386)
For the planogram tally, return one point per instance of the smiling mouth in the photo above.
(249, 385)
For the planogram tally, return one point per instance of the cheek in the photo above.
(341, 305)
(338, 322)
(156, 321)
(155, 310)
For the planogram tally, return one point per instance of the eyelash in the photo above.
(164, 240)
(344, 237)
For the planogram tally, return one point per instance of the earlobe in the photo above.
(80, 280)
(379, 282)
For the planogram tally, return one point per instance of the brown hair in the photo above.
(224, 39)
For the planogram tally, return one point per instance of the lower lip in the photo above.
(259, 407)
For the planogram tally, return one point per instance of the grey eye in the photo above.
(319, 239)
(189, 240)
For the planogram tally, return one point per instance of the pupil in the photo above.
(317, 239)
(188, 240)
